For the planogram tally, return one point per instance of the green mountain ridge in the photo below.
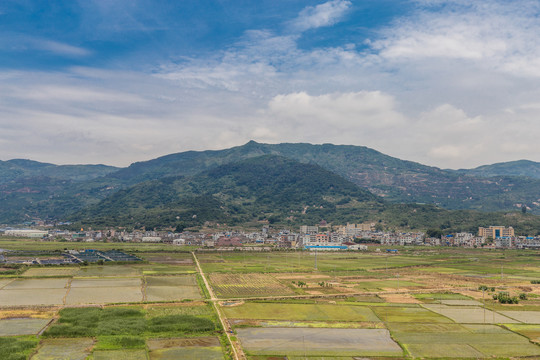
(394, 179)
(33, 190)
(249, 190)
(274, 189)
(15, 169)
(524, 168)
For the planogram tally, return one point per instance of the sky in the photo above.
(447, 83)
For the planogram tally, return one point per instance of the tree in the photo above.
(523, 208)
(434, 233)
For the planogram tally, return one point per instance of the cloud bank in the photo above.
(451, 84)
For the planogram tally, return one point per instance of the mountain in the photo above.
(265, 187)
(12, 170)
(274, 189)
(525, 168)
(394, 179)
(30, 189)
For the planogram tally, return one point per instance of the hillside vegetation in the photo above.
(218, 186)
(273, 189)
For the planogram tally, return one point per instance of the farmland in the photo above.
(276, 304)
(301, 312)
(319, 342)
(248, 285)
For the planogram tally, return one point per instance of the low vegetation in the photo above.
(17, 348)
(92, 322)
(504, 298)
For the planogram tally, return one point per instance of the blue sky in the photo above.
(450, 83)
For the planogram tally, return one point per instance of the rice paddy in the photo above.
(530, 331)
(21, 284)
(301, 312)
(526, 317)
(103, 295)
(47, 271)
(120, 355)
(248, 285)
(185, 348)
(32, 297)
(470, 314)
(73, 349)
(350, 307)
(13, 327)
(109, 270)
(479, 341)
(411, 314)
(320, 342)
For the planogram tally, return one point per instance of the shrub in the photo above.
(115, 326)
(13, 348)
(504, 298)
(79, 322)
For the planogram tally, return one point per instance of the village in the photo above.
(320, 237)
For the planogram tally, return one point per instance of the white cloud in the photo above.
(456, 84)
(501, 35)
(338, 111)
(25, 43)
(60, 48)
(325, 14)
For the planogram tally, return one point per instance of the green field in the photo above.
(410, 314)
(530, 331)
(387, 284)
(340, 263)
(248, 285)
(441, 296)
(479, 342)
(300, 312)
(73, 349)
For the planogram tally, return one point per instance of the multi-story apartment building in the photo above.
(307, 229)
(495, 232)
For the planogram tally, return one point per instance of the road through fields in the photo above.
(237, 350)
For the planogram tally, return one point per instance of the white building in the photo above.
(26, 233)
(151, 239)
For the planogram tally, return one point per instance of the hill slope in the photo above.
(524, 168)
(38, 190)
(278, 190)
(394, 179)
(20, 168)
(266, 187)
(31, 189)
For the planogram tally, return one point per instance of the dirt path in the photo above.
(238, 353)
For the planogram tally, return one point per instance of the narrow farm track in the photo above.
(238, 353)
(315, 296)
